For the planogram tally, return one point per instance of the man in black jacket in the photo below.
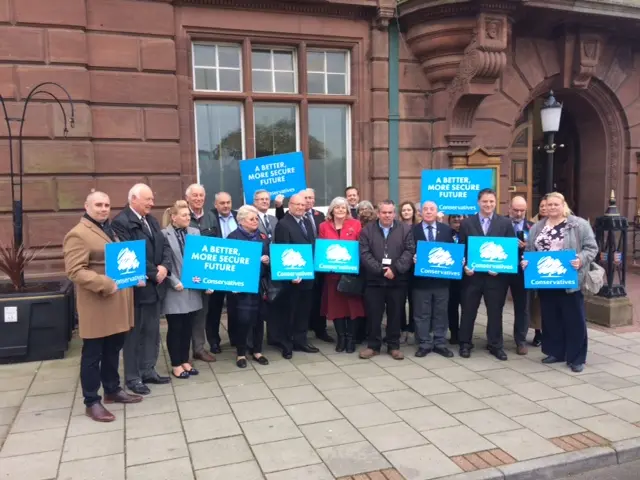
(294, 305)
(431, 295)
(519, 295)
(386, 255)
(142, 344)
(492, 286)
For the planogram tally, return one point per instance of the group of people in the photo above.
(111, 319)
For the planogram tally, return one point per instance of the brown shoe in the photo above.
(368, 353)
(121, 397)
(522, 350)
(396, 354)
(98, 413)
(205, 357)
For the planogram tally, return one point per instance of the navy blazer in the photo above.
(444, 234)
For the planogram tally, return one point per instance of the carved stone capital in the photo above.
(385, 12)
(586, 58)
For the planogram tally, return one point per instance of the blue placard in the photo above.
(278, 174)
(439, 260)
(291, 261)
(493, 254)
(125, 262)
(212, 263)
(550, 270)
(337, 256)
(455, 191)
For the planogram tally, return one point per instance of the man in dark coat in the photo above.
(386, 255)
(492, 286)
(142, 344)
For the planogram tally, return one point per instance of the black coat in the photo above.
(444, 234)
(318, 216)
(400, 248)
(128, 226)
(288, 231)
(237, 234)
(209, 224)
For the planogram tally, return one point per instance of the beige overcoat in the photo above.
(100, 313)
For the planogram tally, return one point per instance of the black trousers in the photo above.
(407, 324)
(179, 336)
(376, 301)
(249, 329)
(216, 303)
(291, 317)
(564, 325)
(317, 322)
(453, 310)
(520, 298)
(494, 291)
(99, 364)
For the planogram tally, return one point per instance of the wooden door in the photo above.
(521, 162)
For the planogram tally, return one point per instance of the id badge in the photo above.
(386, 262)
(525, 236)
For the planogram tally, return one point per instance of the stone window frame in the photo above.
(301, 43)
(272, 67)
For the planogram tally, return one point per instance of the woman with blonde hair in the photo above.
(564, 325)
(181, 305)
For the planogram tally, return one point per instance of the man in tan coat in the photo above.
(105, 313)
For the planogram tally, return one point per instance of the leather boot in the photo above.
(351, 326)
(98, 413)
(340, 326)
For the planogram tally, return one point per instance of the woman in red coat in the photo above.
(342, 309)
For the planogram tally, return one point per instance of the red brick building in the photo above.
(170, 92)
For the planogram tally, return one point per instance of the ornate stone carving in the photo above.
(385, 13)
(587, 56)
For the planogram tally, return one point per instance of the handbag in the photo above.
(594, 279)
(270, 290)
(351, 284)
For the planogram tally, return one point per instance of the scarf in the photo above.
(105, 227)
(250, 236)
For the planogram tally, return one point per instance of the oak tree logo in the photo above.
(127, 261)
(439, 257)
(292, 259)
(549, 267)
(492, 252)
(338, 253)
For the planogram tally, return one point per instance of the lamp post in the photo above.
(611, 235)
(550, 117)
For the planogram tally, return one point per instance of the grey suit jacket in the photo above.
(187, 300)
(273, 221)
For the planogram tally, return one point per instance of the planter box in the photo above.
(36, 324)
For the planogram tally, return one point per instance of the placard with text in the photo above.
(291, 261)
(126, 262)
(278, 174)
(439, 260)
(455, 191)
(493, 254)
(550, 270)
(337, 256)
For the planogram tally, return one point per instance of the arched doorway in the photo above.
(580, 165)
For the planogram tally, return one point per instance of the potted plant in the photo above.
(36, 318)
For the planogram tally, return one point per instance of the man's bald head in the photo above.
(297, 204)
(141, 199)
(98, 206)
(518, 209)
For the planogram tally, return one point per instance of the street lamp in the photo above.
(550, 117)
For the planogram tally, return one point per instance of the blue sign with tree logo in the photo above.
(337, 256)
(456, 191)
(439, 260)
(550, 270)
(493, 254)
(125, 262)
(278, 174)
(291, 261)
(212, 263)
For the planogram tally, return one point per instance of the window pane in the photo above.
(285, 82)
(219, 140)
(275, 129)
(315, 82)
(230, 80)
(315, 62)
(336, 62)
(283, 61)
(229, 57)
(261, 59)
(204, 55)
(206, 79)
(328, 153)
(262, 81)
(336, 84)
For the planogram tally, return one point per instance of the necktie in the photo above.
(485, 225)
(516, 226)
(225, 227)
(430, 233)
(313, 224)
(181, 239)
(267, 226)
(303, 227)
(146, 224)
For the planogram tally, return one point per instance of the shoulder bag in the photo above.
(594, 280)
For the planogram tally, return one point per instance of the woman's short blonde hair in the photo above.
(244, 211)
(566, 211)
(336, 202)
(173, 210)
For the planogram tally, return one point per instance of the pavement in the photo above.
(626, 471)
(328, 415)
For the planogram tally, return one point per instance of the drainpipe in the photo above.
(394, 113)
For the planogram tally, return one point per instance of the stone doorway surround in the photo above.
(485, 62)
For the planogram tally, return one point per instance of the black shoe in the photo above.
(442, 350)
(551, 359)
(156, 380)
(183, 375)
(287, 354)
(537, 339)
(216, 349)
(577, 367)
(193, 371)
(261, 360)
(465, 352)
(241, 363)
(423, 352)
(454, 339)
(350, 343)
(139, 388)
(308, 348)
(341, 330)
(498, 353)
(325, 337)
